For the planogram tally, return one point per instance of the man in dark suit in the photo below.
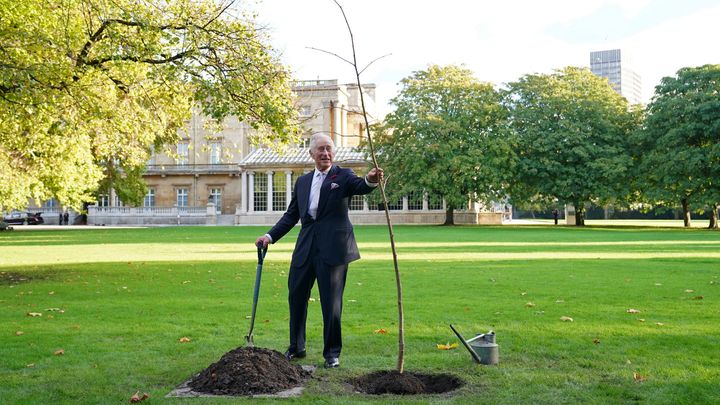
(324, 247)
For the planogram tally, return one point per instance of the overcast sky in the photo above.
(499, 40)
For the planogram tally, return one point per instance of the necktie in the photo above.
(315, 193)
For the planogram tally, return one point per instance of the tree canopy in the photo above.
(89, 87)
(571, 132)
(679, 147)
(446, 137)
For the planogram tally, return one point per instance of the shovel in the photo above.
(261, 256)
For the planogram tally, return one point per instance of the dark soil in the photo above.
(249, 371)
(392, 382)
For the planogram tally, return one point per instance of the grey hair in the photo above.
(314, 139)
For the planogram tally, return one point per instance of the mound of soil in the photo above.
(392, 382)
(249, 371)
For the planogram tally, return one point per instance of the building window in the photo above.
(279, 194)
(260, 192)
(215, 153)
(435, 202)
(183, 153)
(305, 111)
(181, 197)
(216, 198)
(415, 200)
(149, 200)
(356, 203)
(117, 201)
(50, 204)
(395, 205)
(103, 200)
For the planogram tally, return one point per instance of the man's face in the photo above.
(323, 154)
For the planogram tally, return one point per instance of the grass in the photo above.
(128, 295)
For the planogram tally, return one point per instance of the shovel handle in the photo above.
(261, 250)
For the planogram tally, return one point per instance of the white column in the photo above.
(425, 202)
(366, 207)
(243, 192)
(405, 203)
(251, 192)
(269, 191)
(288, 187)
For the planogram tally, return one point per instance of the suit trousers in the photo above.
(331, 284)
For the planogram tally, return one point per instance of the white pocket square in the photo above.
(333, 186)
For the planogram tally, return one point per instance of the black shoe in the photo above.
(332, 362)
(295, 355)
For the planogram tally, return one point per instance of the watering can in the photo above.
(482, 347)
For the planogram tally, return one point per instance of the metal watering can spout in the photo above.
(482, 347)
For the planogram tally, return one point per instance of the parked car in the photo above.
(21, 218)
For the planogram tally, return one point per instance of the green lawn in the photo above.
(117, 301)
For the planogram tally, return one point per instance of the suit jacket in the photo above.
(331, 230)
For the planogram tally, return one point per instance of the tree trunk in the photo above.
(579, 213)
(686, 212)
(713, 217)
(449, 216)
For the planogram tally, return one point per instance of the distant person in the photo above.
(60, 218)
(66, 218)
(555, 215)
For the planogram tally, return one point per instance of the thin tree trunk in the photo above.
(713, 217)
(398, 285)
(686, 212)
(449, 216)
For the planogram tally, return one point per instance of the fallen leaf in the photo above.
(137, 398)
(266, 321)
(699, 297)
(658, 284)
(659, 323)
(448, 346)
(311, 299)
(184, 339)
(55, 310)
(530, 304)
(19, 333)
(566, 319)
(381, 331)
(689, 291)
(632, 311)
(51, 293)
(523, 293)
(641, 320)
(34, 314)
(596, 341)
(559, 301)
(186, 281)
(352, 300)
(639, 378)
(30, 365)
(59, 352)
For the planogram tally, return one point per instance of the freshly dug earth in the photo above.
(392, 382)
(249, 371)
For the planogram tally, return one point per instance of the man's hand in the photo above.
(262, 241)
(375, 175)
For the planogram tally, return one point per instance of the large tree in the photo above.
(89, 87)
(446, 137)
(680, 143)
(571, 132)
